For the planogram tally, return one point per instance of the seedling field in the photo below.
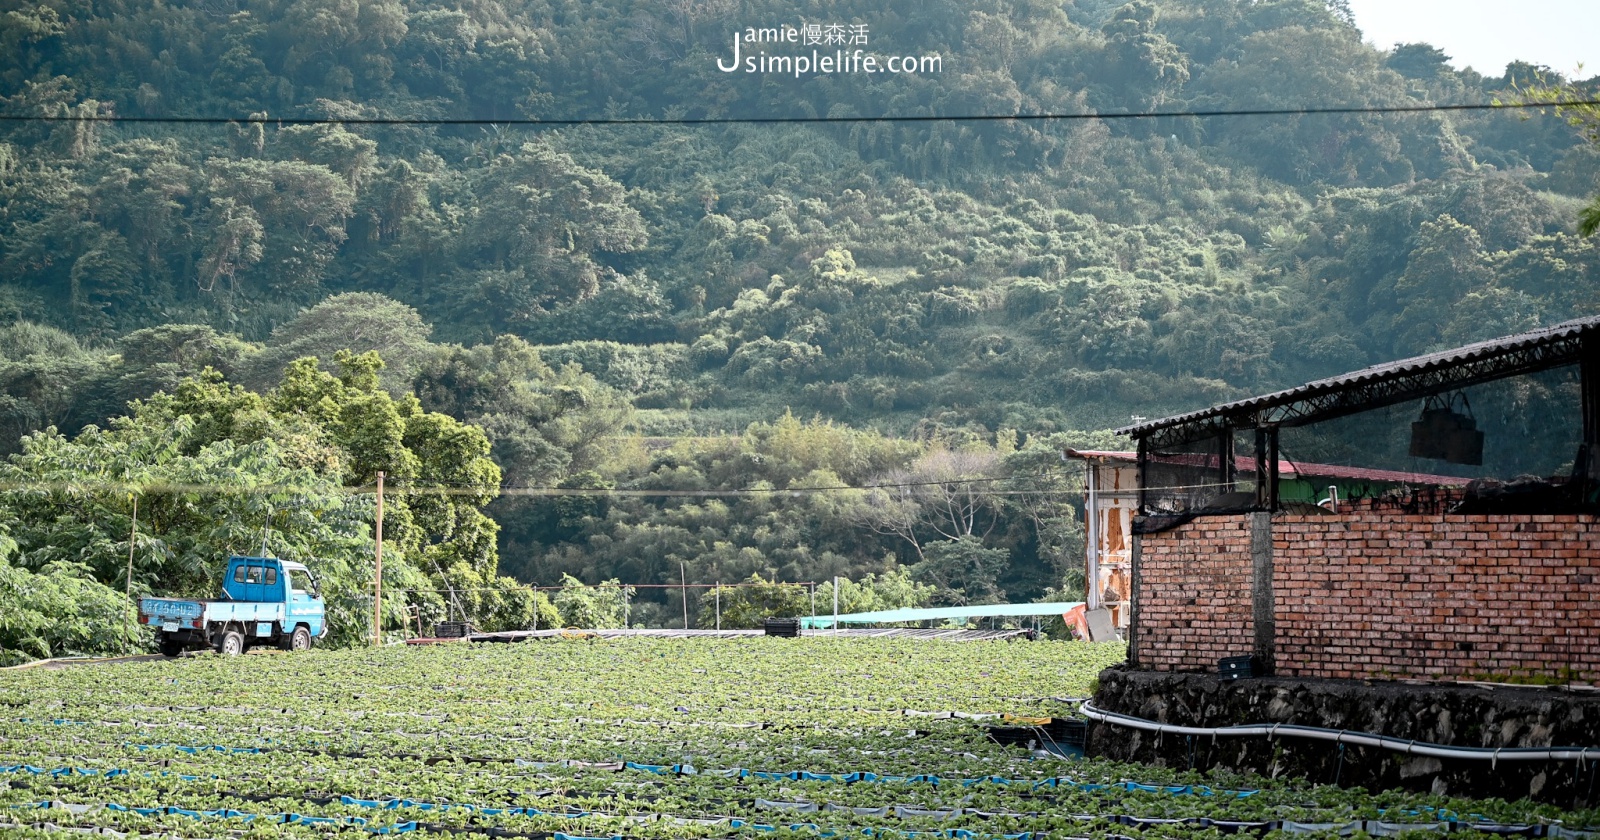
(632, 738)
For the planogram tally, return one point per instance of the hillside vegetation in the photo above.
(696, 309)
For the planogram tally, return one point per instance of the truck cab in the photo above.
(264, 601)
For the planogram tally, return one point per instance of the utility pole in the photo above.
(132, 536)
(683, 587)
(377, 575)
(835, 605)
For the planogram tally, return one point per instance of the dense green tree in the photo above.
(600, 607)
(355, 321)
(42, 371)
(1418, 61)
(60, 610)
(753, 601)
(1150, 69)
(1447, 262)
(963, 570)
(539, 223)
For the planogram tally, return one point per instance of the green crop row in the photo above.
(639, 738)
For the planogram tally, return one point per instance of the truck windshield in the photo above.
(298, 581)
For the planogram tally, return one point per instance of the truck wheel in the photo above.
(171, 648)
(300, 639)
(232, 643)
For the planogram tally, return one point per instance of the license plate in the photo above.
(169, 626)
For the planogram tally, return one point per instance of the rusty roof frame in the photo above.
(1382, 385)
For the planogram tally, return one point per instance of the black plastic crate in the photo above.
(788, 628)
(452, 630)
(1070, 732)
(1064, 736)
(1238, 668)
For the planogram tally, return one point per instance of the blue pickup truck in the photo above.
(265, 601)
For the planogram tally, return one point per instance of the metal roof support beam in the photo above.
(1424, 383)
(1144, 473)
(1273, 500)
(1227, 470)
(1266, 468)
(1589, 375)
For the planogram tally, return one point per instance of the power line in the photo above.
(891, 485)
(477, 490)
(255, 119)
(159, 487)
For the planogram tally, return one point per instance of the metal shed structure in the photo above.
(1422, 583)
(1111, 498)
(1205, 439)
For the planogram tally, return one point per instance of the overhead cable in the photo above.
(392, 489)
(536, 122)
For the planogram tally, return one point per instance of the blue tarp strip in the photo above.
(791, 775)
(1376, 828)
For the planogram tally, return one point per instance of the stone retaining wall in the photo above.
(1443, 714)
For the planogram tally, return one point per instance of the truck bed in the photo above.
(211, 610)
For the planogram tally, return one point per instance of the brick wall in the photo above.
(1379, 593)
(1194, 595)
(1375, 592)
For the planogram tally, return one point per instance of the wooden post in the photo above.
(132, 536)
(377, 575)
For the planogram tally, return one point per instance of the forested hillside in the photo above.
(766, 309)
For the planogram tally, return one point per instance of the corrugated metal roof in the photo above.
(1296, 469)
(1480, 351)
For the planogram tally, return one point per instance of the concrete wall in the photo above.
(1375, 592)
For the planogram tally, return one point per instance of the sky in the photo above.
(1488, 34)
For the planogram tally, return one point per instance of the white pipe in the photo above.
(1345, 736)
